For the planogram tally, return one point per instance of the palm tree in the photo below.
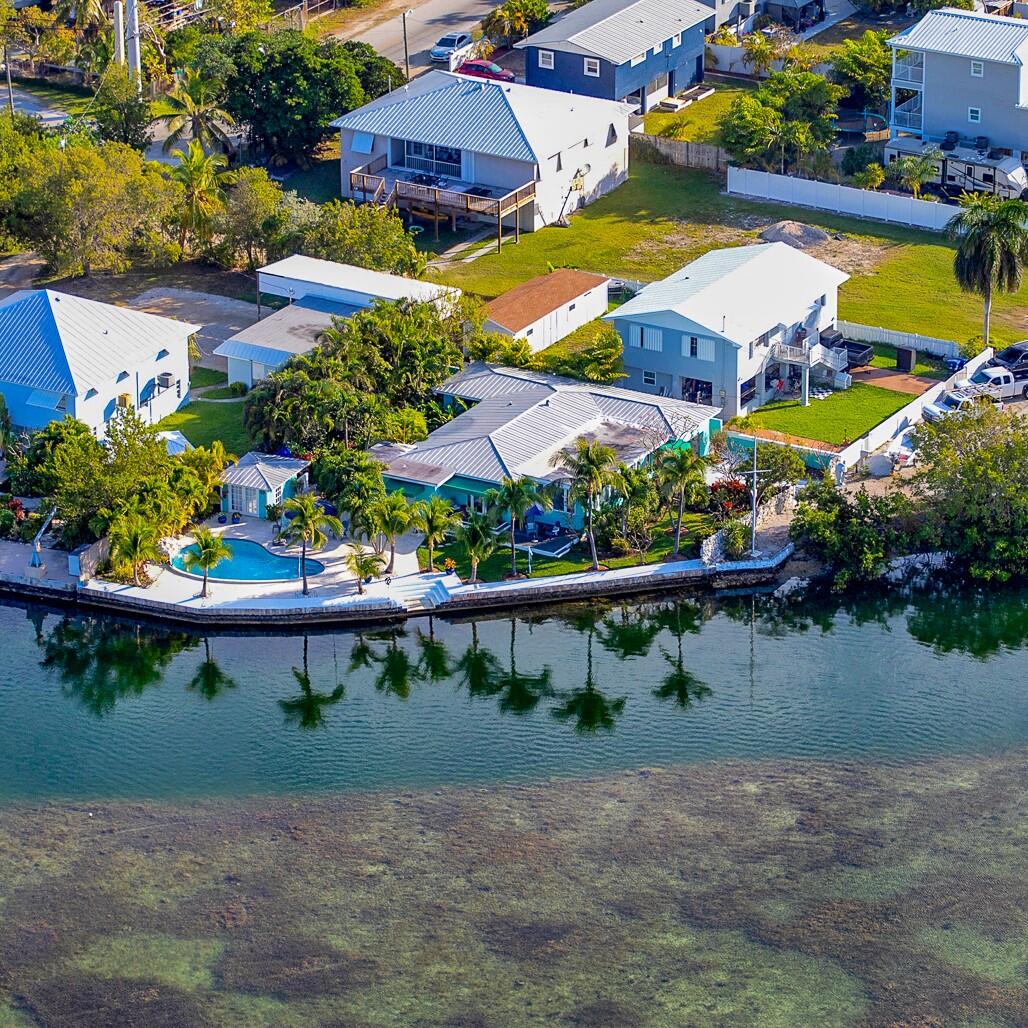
(203, 179)
(992, 247)
(390, 517)
(515, 496)
(914, 170)
(436, 518)
(363, 564)
(477, 539)
(307, 527)
(207, 552)
(680, 472)
(194, 108)
(591, 468)
(519, 691)
(134, 539)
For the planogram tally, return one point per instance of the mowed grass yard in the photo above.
(664, 216)
(841, 418)
(203, 421)
(699, 121)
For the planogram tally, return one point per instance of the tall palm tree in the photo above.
(134, 539)
(206, 553)
(591, 467)
(390, 517)
(515, 496)
(436, 518)
(194, 108)
(477, 539)
(520, 691)
(363, 564)
(308, 527)
(203, 178)
(992, 247)
(680, 472)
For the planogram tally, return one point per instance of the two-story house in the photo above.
(960, 85)
(63, 355)
(733, 328)
(639, 52)
(448, 147)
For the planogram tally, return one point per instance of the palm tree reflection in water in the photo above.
(307, 709)
(588, 707)
(209, 680)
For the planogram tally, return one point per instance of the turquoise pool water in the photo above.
(251, 562)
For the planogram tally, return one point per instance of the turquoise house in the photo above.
(259, 480)
(520, 420)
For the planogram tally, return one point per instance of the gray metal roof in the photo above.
(263, 470)
(60, 343)
(984, 37)
(616, 32)
(291, 330)
(518, 432)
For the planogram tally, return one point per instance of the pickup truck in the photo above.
(955, 401)
(1015, 359)
(995, 381)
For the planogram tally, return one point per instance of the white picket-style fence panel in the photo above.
(926, 344)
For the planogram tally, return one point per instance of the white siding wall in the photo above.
(562, 322)
(240, 371)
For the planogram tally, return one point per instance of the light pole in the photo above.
(406, 53)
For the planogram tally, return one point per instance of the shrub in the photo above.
(736, 538)
(238, 389)
(6, 522)
(857, 158)
(29, 527)
(620, 546)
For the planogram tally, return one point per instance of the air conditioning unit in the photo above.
(747, 8)
(124, 400)
(165, 380)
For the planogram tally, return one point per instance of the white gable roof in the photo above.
(984, 37)
(737, 293)
(60, 343)
(502, 119)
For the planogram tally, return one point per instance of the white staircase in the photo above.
(419, 592)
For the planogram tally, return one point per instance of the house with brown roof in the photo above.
(544, 310)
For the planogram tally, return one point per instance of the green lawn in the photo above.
(841, 418)
(200, 378)
(699, 122)
(665, 216)
(320, 182)
(202, 422)
(885, 357)
(74, 101)
(695, 528)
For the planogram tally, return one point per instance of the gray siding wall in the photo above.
(950, 89)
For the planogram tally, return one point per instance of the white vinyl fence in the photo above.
(827, 196)
(925, 344)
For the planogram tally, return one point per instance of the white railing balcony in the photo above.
(431, 166)
(909, 114)
(908, 72)
(834, 359)
(791, 354)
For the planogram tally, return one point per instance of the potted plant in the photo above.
(236, 517)
(450, 566)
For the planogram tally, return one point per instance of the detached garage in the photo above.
(544, 310)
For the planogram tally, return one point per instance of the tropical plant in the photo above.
(914, 170)
(680, 473)
(307, 709)
(206, 553)
(363, 564)
(122, 114)
(516, 19)
(134, 540)
(870, 177)
(203, 178)
(992, 247)
(194, 110)
(477, 539)
(515, 496)
(390, 517)
(759, 53)
(435, 518)
(308, 527)
(6, 427)
(590, 468)
(864, 66)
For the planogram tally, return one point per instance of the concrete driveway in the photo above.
(220, 316)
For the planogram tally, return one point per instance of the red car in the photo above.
(486, 70)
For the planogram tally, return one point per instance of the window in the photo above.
(571, 307)
(122, 376)
(693, 346)
(440, 160)
(699, 349)
(546, 59)
(638, 59)
(363, 142)
(529, 332)
(649, 378)
(977, 69)
(592, 67)
(974, 115)
(62, 403)
(676, 40)
(656, 50)
(635, 335)
(161, 354)
(652, 338)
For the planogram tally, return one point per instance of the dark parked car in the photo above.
(1014, 358)
(486, 70)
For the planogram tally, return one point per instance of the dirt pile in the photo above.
(795, 234)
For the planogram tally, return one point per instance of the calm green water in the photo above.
(96, 707)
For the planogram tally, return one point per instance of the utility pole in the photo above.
(119, 32)
(134, 64)
(10, 87)
(753, 492)
(406, 53)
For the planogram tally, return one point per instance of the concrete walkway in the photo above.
(837, 11)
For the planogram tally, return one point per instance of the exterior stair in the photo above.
(419, 592)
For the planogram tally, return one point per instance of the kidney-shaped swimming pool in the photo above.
(250, 562)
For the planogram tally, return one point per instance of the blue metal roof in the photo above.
(31, 352)
(467, 114)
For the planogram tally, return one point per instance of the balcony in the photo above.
(808, 356)
(908, 115)
(909, 70)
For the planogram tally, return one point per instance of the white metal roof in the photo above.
(517, 432)
(985, 37)
(616, 32)
(374, 284)
(263, 470)
(501, 119)
(737, 293)
(60, 343)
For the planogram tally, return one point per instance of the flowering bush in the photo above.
(729, 496)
